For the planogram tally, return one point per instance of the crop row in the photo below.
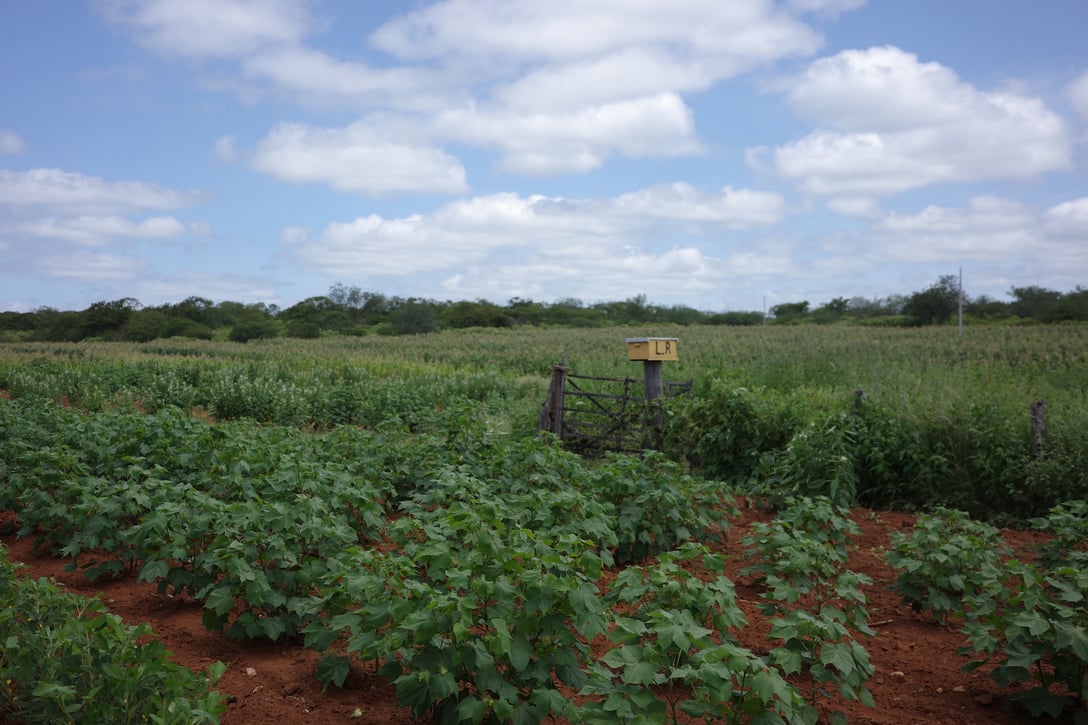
(66, 659)
(1024, 617)
(942, 420)
(467, 565)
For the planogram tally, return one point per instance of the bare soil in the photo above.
(918, 673)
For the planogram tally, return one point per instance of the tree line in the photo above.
(348, 310)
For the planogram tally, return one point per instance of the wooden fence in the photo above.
(593, 414)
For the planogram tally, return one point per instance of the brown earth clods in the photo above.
(918, 672)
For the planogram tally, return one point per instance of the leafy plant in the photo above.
(817, 604)
(1068, 525)
(66, 659)
(947, 558)
(1034, 625)
(819, 460)
(474, 620)
(675, 655)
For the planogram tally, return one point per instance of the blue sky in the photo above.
(722, 155)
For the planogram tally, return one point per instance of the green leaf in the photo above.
(333, 670)
(521, 651)
(640, 673)
(220, 600)
(471, 709)
(838, 656)
(152, 570)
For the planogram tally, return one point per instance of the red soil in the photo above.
(918, 673)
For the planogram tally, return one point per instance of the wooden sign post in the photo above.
(652, 351)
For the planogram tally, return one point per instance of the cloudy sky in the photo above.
(717, 154)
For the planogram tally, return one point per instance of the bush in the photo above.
(65, 659)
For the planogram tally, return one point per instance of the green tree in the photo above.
(935, 305)
(414, 317)
(790, 311)
(525, 312)
(480, 313)
(736, 319)
(146, 325)
(832, 311)
(197, 309)
(254, 322)
(106, 319)
(985, 307)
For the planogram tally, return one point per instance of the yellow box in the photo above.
(652, 348)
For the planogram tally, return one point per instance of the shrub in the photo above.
(65, 659)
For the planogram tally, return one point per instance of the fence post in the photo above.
(1038, 426)
(653, 383)
(653, 379)
(551, 413)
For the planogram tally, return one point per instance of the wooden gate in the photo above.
(593, 414)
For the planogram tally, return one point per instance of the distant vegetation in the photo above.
(348, 310)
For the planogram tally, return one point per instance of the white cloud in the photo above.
(11, 143)
(1068, 222)
(854, 206)
(89, 267)
(202, 229)
(318, 78)
(294, 235)
(580, 141)
(1077, 93)
(71, 192)
(987, 228)
(356, 159)
(892, 123)
(621, 75)
(469, 240)
(555, 88)
(92, 231)
(825, 7)
(565, 30)
(1074, 211)
(733, 208)
(157, 290)
(211, 28)
(67, 226)
(225, 150)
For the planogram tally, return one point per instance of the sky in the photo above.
(723, 155)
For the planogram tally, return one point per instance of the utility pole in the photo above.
(961, 301)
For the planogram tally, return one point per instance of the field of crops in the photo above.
(384, 505)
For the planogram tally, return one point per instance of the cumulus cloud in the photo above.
(554, 88)
(571, 29)
(169, 288)
(1077, 93)
(89, 267)
(731, 207)
(68, 226)
(550, 143)
(92, 231)
(211, 28)
(356, 159)
(891, 123)
(224, 150)
(73, 192)
(986, 228)
(318, 78)
(11, 143)
(613, 242)
(1068, 222)
(827, 7)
